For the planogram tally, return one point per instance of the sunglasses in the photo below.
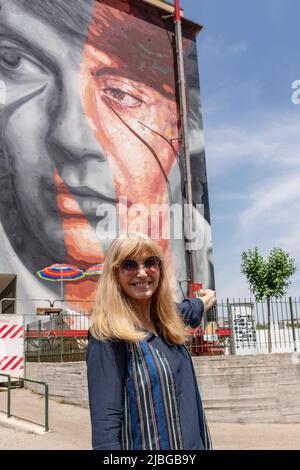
(131, 266)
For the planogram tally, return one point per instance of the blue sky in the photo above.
(249, 55)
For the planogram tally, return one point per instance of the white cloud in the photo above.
(271, 142)
(275, 8)
(230, 283)
(274, 200)
(237, 49)
(274, 203)
(219, 46)
(266, 212)
(231, 197)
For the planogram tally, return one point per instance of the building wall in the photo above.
(240, 389)
(90, 119)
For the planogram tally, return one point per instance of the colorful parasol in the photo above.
(96, 270)
(60, 273)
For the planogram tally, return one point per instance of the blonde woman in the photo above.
(143, 392)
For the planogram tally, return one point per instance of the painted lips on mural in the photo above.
(91, 116)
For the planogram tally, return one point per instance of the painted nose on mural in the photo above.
(71, 135)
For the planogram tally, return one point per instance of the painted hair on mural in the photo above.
(66, 16)
(118, 28)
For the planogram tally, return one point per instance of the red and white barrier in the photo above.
(11, 346)
(8, 331)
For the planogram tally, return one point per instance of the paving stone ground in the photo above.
(70, 429)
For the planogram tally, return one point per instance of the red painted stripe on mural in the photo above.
(9, 362)
(3, 328)
(17, 363)
(9, 331)
(20, 330)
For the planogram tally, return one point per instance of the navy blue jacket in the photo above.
(106, 368)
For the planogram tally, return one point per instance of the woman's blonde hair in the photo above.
(113, 317)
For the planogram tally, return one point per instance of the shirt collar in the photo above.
(150, 335)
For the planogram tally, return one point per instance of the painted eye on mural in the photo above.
(120, 98)
(10, 59)
(16, 64)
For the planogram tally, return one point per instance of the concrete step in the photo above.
(250, 389)
(248, 402)
(262, 388)
(21, 425)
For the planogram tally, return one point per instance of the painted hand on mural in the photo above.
(90, 116)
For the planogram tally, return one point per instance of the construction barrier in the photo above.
(12, 345)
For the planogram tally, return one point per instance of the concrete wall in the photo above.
(244, 389)
(67, 381)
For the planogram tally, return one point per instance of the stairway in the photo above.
(250, 389)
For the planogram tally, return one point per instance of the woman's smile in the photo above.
(142, 286)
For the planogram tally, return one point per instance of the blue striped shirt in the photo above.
(144, 395)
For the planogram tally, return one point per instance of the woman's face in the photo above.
(139, 277)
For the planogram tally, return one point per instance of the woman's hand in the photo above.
(209, 298)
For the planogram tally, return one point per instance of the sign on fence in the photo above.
(11, 346)
(244, 328)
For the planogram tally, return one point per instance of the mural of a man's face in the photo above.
(81, 126)
(91, 116)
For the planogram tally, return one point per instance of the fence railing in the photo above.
(56, 338)
(24, 379)
(244, 326)
(233, 326)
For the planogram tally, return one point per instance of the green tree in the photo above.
(268, 278)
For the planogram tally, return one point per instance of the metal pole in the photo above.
(293, 324)
(24, 345)
(231, 326)
(61, 285)
(46, 408)
(184, 138)
(61, 340)
(9, 398)
(177, 10)
(39, 341)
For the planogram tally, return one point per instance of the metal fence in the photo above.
(244, 326)
(56, 337)
(233, 326)
(9, 380)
